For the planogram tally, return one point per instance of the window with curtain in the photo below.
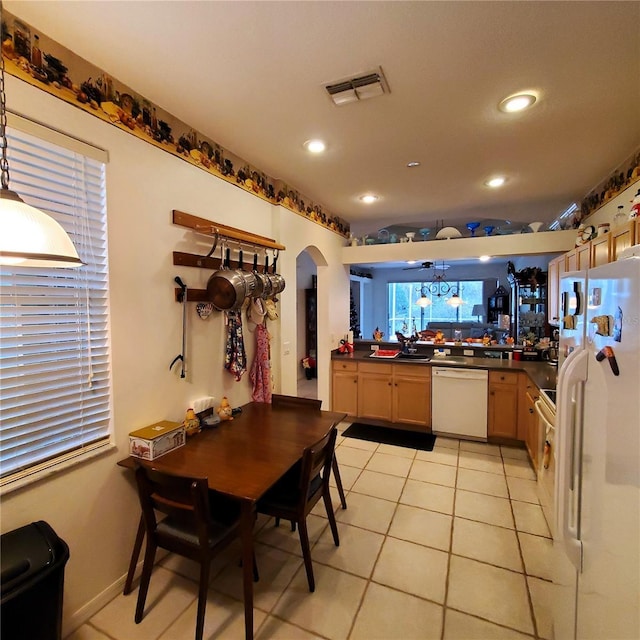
(405, 314)
(55, 374)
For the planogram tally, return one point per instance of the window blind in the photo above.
(55, 374)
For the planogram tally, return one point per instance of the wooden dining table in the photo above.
(242, 458)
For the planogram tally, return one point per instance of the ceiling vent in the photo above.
(367, 85)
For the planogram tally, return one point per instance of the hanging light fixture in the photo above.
(438, 287)
(28, 237)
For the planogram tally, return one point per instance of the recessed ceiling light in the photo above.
(518, 102)
(411, 261)
(495, 182)
(484, 258)
(413, 164)
(368, 198)
(315, 146)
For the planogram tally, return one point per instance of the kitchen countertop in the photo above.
(542, 374)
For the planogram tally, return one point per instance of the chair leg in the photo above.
(135, 554)
(306, 553)
(277, 524)
(332, 517)
(293, 525)
(256, 575)
(202, 597)
(336, 475)
(147, 568)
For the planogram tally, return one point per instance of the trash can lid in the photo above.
(25, 552)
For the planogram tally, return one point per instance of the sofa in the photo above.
(473, 330)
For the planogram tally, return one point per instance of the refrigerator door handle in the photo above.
(569, 431)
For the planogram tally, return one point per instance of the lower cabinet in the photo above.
(344, 387)
(411, 396)
(394, 393)
(374, 391)
(503, 405)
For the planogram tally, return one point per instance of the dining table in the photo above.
(242, 458)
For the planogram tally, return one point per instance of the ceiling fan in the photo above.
(428, 265)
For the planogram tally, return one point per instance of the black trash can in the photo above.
(32, 581)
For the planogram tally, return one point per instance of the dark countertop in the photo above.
(542, 374)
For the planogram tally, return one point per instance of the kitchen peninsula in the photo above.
(396, 391)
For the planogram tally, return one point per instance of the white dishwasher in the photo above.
(459, 402)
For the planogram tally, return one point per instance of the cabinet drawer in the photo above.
(339, 365)
(374, 367)
(412, 371)
(502, 377)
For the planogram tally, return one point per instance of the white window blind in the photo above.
(55, 374)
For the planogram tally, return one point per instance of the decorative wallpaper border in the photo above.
(47, 65)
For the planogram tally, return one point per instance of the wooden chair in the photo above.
(312, 404)
(197, 524)
(298, 491)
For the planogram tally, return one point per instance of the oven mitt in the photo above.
(272, 312)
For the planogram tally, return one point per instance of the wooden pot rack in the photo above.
(218, 231)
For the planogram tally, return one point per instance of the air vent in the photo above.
(367, 85)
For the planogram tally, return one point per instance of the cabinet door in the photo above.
(374, 391)
(622, 237)
(572, 260)
(411, 398)
(503, 405)
(344, 388)
(583, 255)
(601, 250)
(533, 437)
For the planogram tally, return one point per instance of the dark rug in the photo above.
(384, 435)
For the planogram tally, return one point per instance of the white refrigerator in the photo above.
(597, 501)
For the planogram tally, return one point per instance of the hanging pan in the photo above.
(227, 288)
(263, 284)
(277, 281)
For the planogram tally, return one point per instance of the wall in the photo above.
(93, 505)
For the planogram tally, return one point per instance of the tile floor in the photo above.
(449, 544)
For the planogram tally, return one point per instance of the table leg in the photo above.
(247, 564)
(135, 554)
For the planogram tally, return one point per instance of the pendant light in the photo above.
(28, 237)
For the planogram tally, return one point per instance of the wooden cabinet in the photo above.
(622, 237)
(394, 393)
(374, 390)
(344, 387)
(583, 257)
(498, 305)
(528, 424)
(556, 269)
(601, 250)
(411, 395)
(503, 405)
(571, 260)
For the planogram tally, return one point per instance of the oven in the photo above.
(545, 407)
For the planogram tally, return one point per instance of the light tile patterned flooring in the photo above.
(446, 545)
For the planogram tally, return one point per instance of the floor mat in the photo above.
(384, 435)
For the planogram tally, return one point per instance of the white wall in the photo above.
(93, 506)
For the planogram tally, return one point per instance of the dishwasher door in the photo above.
(459, 402)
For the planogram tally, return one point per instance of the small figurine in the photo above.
(378, 335)
(191, 423)
(439, 337)
(225, 410)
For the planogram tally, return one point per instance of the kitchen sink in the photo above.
(413, 356)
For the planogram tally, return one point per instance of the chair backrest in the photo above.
(278, 400)
(316, 468)
(180, 497)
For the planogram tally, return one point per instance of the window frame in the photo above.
(105, 440)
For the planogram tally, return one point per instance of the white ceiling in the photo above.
(251, 76)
